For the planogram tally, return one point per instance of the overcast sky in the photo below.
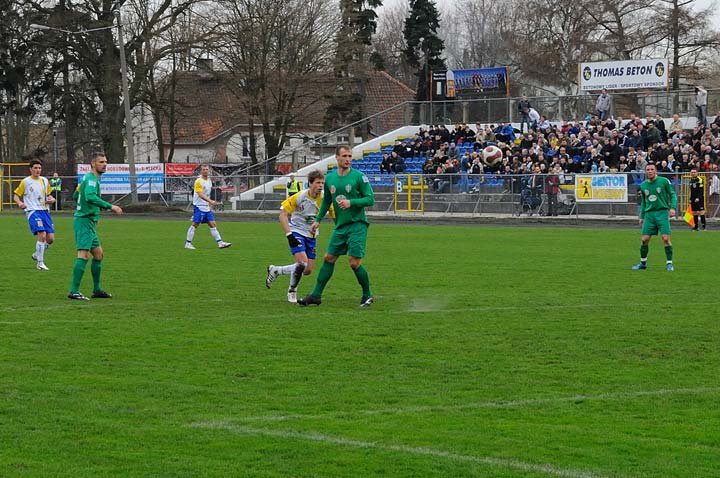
(442, 4)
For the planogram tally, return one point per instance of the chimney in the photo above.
(204, 64)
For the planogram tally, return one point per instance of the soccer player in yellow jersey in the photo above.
(202, 212)
(297, 214)
(33, 194)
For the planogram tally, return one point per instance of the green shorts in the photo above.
(349, 239)
(86, 238)
(656, 221)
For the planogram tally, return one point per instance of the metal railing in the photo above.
(444, 194)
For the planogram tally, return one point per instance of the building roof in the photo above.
(208, 106)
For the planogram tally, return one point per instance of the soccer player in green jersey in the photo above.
(89, 204)
(658, 202)
(349, 192)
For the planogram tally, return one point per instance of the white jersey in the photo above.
(302, 210)
(34, 193)
(202, 186)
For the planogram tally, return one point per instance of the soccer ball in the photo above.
(492, 155)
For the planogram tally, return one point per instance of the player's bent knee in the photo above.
(84, 254)
(355, 262)
(330, 258)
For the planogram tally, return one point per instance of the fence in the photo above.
(538, 195)
(510, 195)
(558, 108)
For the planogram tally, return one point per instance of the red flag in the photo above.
(689, 218)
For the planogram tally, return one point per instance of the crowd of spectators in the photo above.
(592, 146)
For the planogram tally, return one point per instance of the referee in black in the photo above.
(697, 198)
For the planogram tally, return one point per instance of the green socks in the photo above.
(326, 272)
(96, 269)
(77, 275)
(644, 253)
(364, 280)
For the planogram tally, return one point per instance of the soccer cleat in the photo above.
(223, 244)
(101, 294)
(366, 301)
(42, 267)
(309, 300)
(292, 296)
(188, 245)
(77, 296)
(669, 267)
(271, 276)
(34, 257)
(640, 266)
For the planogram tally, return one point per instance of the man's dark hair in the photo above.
(33, 162)
(96, 154)
(315, 174)
(341, 148)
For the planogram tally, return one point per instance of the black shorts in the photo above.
(697, 206)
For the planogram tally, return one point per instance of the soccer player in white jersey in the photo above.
(297, 214)
(33, 195)
(202, 212)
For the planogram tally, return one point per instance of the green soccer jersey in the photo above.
(89, 202)
(658, 195)
(353, 186)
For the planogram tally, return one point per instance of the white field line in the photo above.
(484, 405)
(422, 451)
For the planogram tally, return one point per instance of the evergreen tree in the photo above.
(424, 46)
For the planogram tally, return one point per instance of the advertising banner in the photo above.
(601, 188)
(616, 75)
(179, 178)
(116, 179)
(478, 80)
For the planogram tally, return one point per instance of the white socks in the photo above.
(215, 234)
(285, 270)
(190, 234)
(40, 250)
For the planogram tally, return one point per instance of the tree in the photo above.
(25, 80)
(275, 50)
(424, 46)
(92, 52)
(627, 27)
(548, 41)
(390, 45)
(475, 33)
(690, 36)
(358, 23)
(162, 57)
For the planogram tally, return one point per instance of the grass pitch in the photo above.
(490, 352)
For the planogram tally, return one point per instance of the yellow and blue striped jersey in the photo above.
(34, 193)
(302, 210)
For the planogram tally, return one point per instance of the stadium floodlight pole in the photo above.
(129, 139)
